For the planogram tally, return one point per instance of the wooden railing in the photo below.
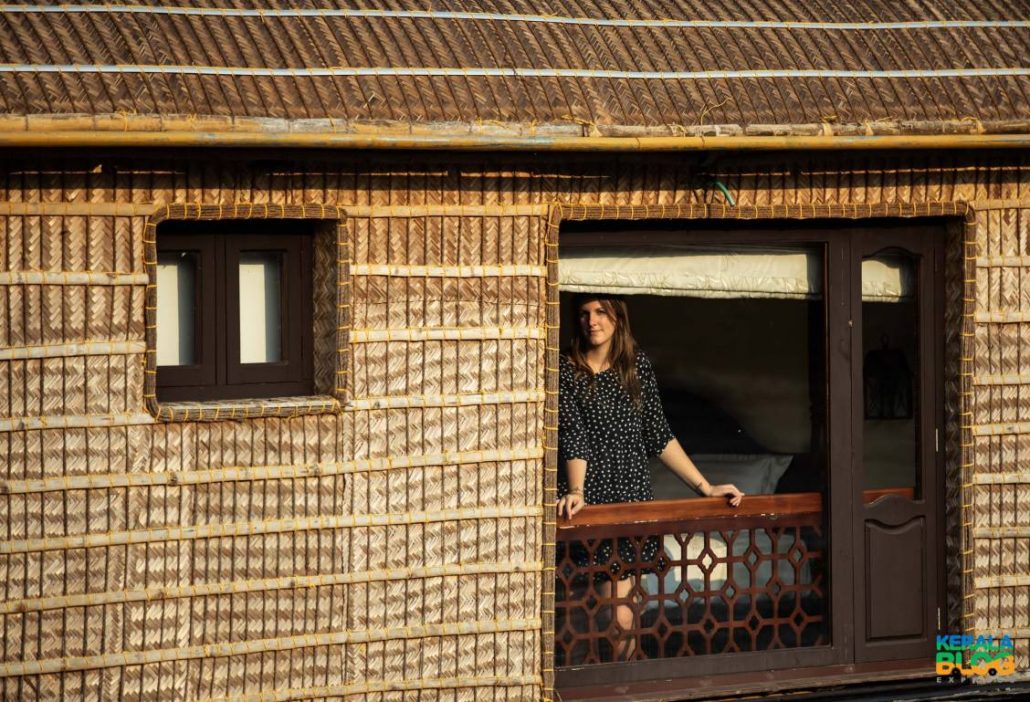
(703, 577)
(766, 507)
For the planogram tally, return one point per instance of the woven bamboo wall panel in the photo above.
(434, 545)
(433, 368)
(490, 596)
(1003, 605)
(43, 315)
(446, 486)
(1009, 556)
(216, 619)
(999, 405)
(296, 673)
(404, 302)
(997, 344)
(502, 655)
(449, 240)
(1006, 288)
(1005, 453)
(167, 563)
(436, 430)
(75, 385)
(71, 243)
(64, 513)
(58, 452)
(1001, 609)
(471, 182)
(1001, 437)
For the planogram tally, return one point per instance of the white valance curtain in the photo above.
(719, 272)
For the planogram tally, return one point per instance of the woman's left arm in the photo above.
(677, 460)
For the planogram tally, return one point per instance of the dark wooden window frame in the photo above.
(218, 246)
(841, 404)
(331, 291)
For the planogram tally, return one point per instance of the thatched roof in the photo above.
(542, 67)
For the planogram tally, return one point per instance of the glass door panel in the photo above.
(890, 381)
(894, 411)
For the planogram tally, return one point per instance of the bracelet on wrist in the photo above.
(574, 491)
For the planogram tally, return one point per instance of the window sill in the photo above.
(219, 410)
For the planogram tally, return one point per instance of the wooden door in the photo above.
(897, 343)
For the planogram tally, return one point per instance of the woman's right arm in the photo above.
(573, 442)
(572, 501)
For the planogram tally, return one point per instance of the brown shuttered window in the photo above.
(234, 310)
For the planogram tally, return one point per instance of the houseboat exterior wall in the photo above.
(397, 535)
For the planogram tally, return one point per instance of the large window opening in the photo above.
(798, 363)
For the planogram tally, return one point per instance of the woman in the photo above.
(610, 423)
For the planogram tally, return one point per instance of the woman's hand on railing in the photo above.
(729, 491)
(570, 504)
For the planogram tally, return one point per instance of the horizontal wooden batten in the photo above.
(275, 526)
(383, 686)
(459, 400)
(1001, 428)
(1002, 478)
(77, 209)
(243, 648)
(72, 278)
(1012, 379)
(367, 336)
(375, 211)
(1001, 532)
(85, 348)
(1002, 317)
(37, 138)
(471, 271)
(233, 587)
(985, 582)
(1002, 261)
(232, 474)
(74, 421)
(1001, 204)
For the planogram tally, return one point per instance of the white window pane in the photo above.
(259, 308)
(176, 292)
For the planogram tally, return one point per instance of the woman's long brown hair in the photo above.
(623, 350)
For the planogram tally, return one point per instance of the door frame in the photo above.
(834, 231)
(928, 243)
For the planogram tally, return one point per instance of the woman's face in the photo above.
(596, 325)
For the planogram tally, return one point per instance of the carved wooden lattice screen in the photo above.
(752, 581)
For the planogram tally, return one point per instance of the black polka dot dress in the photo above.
(599, 423)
